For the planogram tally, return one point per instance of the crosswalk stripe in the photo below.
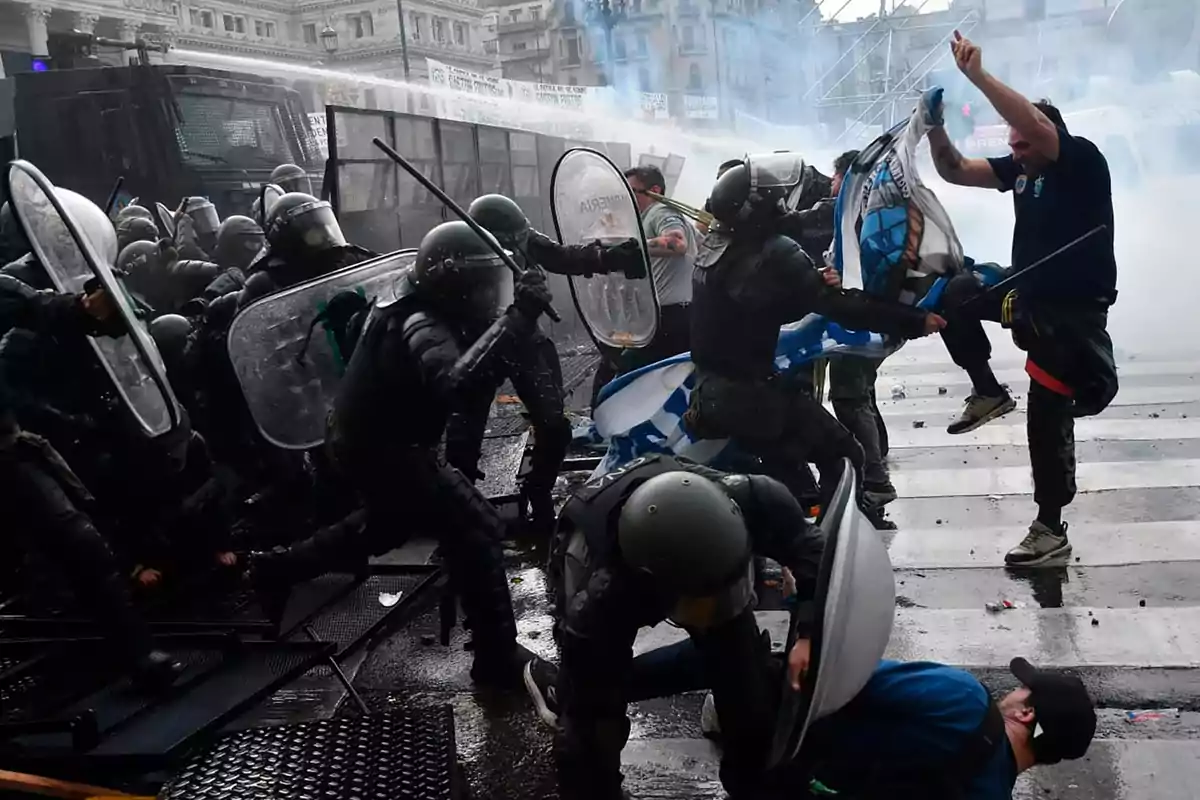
(1015, 376)
(1086, 430)
(1048, 637)
(1096, 546)
(1128, 396)
(982, 481)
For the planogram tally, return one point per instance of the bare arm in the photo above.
(1018, 112)
(672, 242)
(957, 169)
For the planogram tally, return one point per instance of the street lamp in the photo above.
(329, 39)
(607, 14)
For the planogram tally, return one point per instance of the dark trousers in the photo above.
(1050, 421)
(536, 375)
(674, 336)
(407, 491)
(852, 391)
(44, 503)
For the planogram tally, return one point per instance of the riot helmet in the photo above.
(135, 229)
(756, 190)
(300, 223)
(291, 178)
(459, 272)
(502, 218)
(204, 215)
(688, 536)
(131, 211)
(143, 267)
(239, 239)
(170, 333)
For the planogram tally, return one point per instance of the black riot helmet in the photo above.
(457, 270)
(502, 218)
(756, 191)
(170, 333)
(135, 229)
(239, 240)
(688, 536)
(299, 223)
(291, 178)
(204, 215)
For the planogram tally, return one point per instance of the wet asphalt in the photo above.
(1148, 740)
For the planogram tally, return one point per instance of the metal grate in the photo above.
(403, 755)
(356, 615)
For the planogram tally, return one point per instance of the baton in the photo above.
(457, 209)
(991, 290)
(112, 196)
(699, 215)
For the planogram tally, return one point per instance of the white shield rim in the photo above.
(137, 334)
(602, 341)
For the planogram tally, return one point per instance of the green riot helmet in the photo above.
(688, 536)
(460, 273)
(132, 210)
(503, 218)
(756, 191)
(291, 178)
(239, 239)
(299, 224)
(135, 229)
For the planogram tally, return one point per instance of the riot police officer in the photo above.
(532, 363)
(417, 358)
(304, 240)
(665, 538)
(291, 178)
(45, 503)
(239, 241)
(196, 225)
(750, 280)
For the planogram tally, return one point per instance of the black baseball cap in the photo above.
(1065, 717)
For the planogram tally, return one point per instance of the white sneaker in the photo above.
(1041, 547)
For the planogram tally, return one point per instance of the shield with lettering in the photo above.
(591, 201)
(74, 240)
(287, 356)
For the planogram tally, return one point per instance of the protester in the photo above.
(672, 244)
(1058, 314)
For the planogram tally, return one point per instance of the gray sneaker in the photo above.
(1041, 547)
(980, 410)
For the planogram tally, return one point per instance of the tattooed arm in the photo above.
(955, 168)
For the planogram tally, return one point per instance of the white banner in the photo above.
(654, 105)
(320, 134)
(696, 106)
(466, 81)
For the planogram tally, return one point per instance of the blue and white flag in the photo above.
(893, 239)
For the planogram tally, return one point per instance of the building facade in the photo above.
(368, 34)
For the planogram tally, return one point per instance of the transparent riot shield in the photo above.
(855, 605)
(75, 242)
(288, 364)
(591, 201)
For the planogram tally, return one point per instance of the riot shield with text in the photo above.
(289, 363)
(591, 201)
(75, 242)
(855, 605)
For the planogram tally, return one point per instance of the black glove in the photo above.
(532, 295)
(626, 257)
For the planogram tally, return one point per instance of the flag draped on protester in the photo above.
(893, 239)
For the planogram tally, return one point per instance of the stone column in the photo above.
(86, 23)
(36, 17)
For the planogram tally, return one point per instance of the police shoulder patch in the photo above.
(1019, 186)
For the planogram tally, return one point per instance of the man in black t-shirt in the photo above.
(1057, 313)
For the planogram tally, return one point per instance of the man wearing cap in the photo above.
(921, 729)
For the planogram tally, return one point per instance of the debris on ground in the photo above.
(1095, 622)
(1153, 415)
(942, 390)
(1142, 603)
(993, 498)
(898, 392)
(388, 599)
(1150, 716)
(918, 423)
(996, 606)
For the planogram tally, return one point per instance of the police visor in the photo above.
(482, 284)
(314, 226)
(708, 611)
(774, 170)
(205, 218)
